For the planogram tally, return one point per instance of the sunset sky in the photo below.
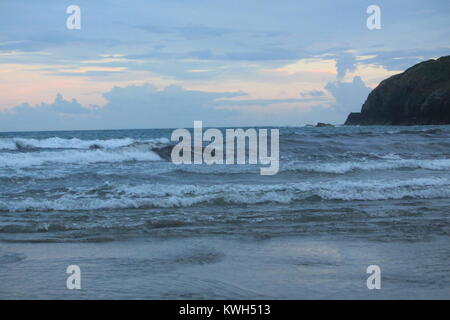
(166, 63)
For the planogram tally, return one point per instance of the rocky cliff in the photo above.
(418, 96)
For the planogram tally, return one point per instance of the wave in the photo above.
(346, 167)
(77, 151)
(384, 162)
(73, 225)
(148, 196)
(74, 143)
(431, 131)
(23, 160)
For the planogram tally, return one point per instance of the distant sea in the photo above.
(141, 227)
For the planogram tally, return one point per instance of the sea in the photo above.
(140, 227)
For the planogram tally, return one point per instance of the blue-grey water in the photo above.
(141, 227)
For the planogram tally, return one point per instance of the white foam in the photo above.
(345, 167)
(173, 195)
(7, 144)
(74, 143)
(23, 160)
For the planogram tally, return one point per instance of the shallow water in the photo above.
(142, 227)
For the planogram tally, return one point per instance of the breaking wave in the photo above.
(74, 143)
(171, 195)
(345, 167)
(77, 151)
(23, 160)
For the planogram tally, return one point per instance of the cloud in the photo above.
(265, 102)
(188, 31)
(145, 106)
(313, 93)
(345, 62)
(272, 52)
(349, 96)
(128, 107)
(59, 115)
(58, 107)
(403, 59)
(262, 54)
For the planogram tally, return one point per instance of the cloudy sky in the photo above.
(166, 63)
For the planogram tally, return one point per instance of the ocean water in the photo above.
(141, 227)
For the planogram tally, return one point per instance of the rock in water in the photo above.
(164, 152)
(418, 96)
(321, 124)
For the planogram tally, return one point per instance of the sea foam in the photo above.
(74, 143)
(173, 195)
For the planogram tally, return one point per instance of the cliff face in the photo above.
(418, 96)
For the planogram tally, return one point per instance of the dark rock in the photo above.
(418, 96)
(95, 147)
(321, 124)
(164, 152)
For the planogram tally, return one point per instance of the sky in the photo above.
(165, 63)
